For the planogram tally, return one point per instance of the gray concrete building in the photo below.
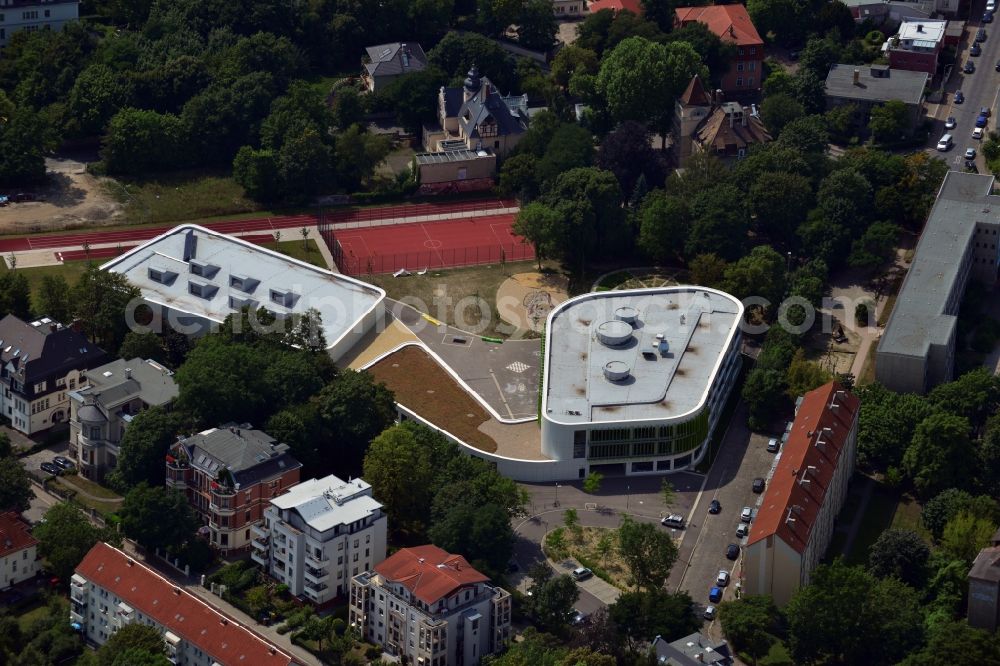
(869, 86)
(917, 349)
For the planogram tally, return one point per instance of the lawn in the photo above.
(88, 486)
(37, 611)
(309, 254)
(182, 196)
(437, 293)
(907, 516)
(877, 517)
(71, 271)
(422, 385)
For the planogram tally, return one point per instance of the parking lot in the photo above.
(33, 462)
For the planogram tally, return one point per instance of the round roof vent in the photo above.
(614, 333)
(616, 371)
(627, 314)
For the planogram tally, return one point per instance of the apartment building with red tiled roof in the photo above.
(804, 495)
(430, 607)
(18, 550)
(110, 590)
(733, 25)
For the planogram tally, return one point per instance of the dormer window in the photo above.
(202, 289)
(237, 303)
(203, 269)
(283, 297)
(161, 275)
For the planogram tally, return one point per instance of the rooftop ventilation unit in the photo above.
(616, 371)
(614, 333)
(627, 314)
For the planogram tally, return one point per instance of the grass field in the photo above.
(182, 196)
(877, 517)
(90, 487)
(36, 612)
(584, 549)
(309, 254)
(907, 516)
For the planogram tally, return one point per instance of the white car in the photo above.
(723, 578)
(977, 133)
(673, 520)
(742, 530)
(746, 515)
(709, 612)
(991, 5)
(945, 143)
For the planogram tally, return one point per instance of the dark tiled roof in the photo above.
(452, 101)
(395, 58)
(486, 103)
(249, 455)
(49, 347)
(716, 133)
(695, 94)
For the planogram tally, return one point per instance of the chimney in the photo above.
(53, 327)
(76, 326)
(128, 373)
(920, 27)
(857, 76)
(743, 117)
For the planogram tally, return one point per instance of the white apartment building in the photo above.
(34, 15)
(110, 590)
(430, 608)
(319, 535)
(18, 551)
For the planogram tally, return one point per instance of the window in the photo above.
(248, 518)
(739, 81)
(72, 383)
(27, 16)
(752, 65)
(750, 82)
(47, 14)
(739, 67)
(61, 382)
(740, 52)
(40, 386)
(753, 50)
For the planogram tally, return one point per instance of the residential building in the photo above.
(917, 349)
(693, 650)
(804, 494)
(318, 535)
(229, 475)
(384, 63)
(569, 9)
(880, 11)
(477, 117)
(32, 15)
(429, 607)
(733, 26)
(111, 590)
(635, 380)
(616, 6)
(704, 123)
(18, 550)
(105, 402)
(869, 86)
(917, 45)
(453, 171)
(984, 587)
(40, 362)
(192, 278)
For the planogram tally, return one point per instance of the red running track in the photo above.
(109, 252)
(422, 245)
(339, 215)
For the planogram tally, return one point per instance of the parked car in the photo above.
(944, 143)
(991, 5)
(746, 514)
(732, 551)
(714, 506)
(969, 67)
(772, 445)
(715, 595)
(582, 573)
(975, 50)
(577, 617)
(970, 153)
(64, 463)
(981, 120)
(742, 530)
(673, 520)
(723, 578)
(971, 166)
(950, 123)
(709, 613)
(758, 485)
(959, 97)
(981, 35)
(987, 17)
(977, 133)
(50, 468)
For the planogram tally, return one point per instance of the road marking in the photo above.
(704, 529)
(502, 397)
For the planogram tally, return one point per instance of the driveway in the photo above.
(33, 461)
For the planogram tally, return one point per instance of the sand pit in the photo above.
(524, 300)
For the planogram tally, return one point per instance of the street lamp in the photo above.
(627, 496)
(557, 494)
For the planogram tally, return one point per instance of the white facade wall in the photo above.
(52, 15)
(19, 566)
(31, 417)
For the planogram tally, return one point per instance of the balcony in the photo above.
(315, 575)
(223, 500)
(258, 529)
(261, 544)
(316, 562)
(77, 613)
(260, 558)
(315, 588)
(177, 473)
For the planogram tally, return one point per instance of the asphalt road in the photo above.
(981, 88)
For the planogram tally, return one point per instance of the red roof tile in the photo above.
(695, 93)
(802, 458)
(222, 638)
(730, 22)
(14, 534)
(430, 573)
(616, 6)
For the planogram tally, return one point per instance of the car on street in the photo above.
(582, 573)
(987, 17)
(758, 485)
(50, 468)
(950, 123)
(981, 35)
(969, 67)
(959, 97)
(985, 111)
(991, 5)
(65, 463)
(978, 133)
(944, 143)
(772, 445)
(715, 595)
(971, 166)
(746, 515)
(742, 530)
(709, 613)
(714, 506)
(732, 551)
(976, 50)
(981, 120)
(970, 153)
(723, 578)
(673, 520)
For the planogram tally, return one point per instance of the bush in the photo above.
(862, 314)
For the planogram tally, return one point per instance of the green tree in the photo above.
(974, 395)
(648, 553)
(540, 225)
(536, 25)
(305, 164)
(779, 202)
(760, 273)
(573, 59)
(653, 612)
(964, 645)
(965, 535)
(707, 269)
(140, 141)
(25, 137)
(551, 597)
(143, 346)
(663, 222)
(400, 472)
(6, 449)
(15, 295)
(99, 300)
(807, 134)
(628, 153)
(358, 153)
(605, 546)
(456, 53)
(589, 202)
(483, 534)
(947, 504)
(777, 111)
(221, 381)
(257, 172)
(804, 375)
(876, 246)
(97, 95)
(52, 298)
(749, 622)
(131, 637)
(900, 553)
(143, 446)
(518, 177)
(889, 121)
(15, 487)
(65, 538)
(779, 19)
(592, 484)
(571, 146)
(157, 517)
(940, 454)
(356, 408)
(720, 223)
(414, 98)
(886, 425)
(347, 108)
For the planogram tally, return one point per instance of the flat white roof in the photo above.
(636, 355)
(328, 502)
(922, 29)
(234, 272)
